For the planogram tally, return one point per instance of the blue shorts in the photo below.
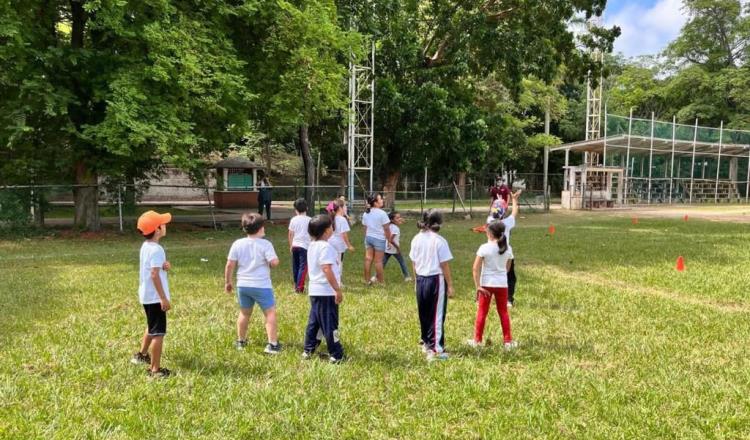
(376, 243)
(248, 296)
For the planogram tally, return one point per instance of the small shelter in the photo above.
(237, 179)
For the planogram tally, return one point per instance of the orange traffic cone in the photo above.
(635, 220)
(551, 229)
(685, 218)
(680, 264)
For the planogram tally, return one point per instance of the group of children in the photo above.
(318, 246)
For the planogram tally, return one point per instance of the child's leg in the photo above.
(157, 343)
(303, 270)
(386, 257)
(512, 281)
(313, 335)
(501, 302)
(441, 310)
(378, 260)
(483, 307)
(369, 255)
(271, 328)
(146, 342)
(295, 266)
(329, 323)
(425, 309)
(402, 263)
(243, 318)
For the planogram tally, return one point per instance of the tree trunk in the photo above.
(390, 187)
(307, 162)
(461, 184)
(86, 198)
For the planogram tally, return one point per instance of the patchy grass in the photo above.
(614, 343)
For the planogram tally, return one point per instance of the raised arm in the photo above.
(514, 200)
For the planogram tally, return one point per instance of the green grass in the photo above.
(614, 343)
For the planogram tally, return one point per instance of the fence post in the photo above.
(455, 191)
(119, 205)
(471, 198)
(421, 200)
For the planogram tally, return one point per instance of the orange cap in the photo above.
(150, 221)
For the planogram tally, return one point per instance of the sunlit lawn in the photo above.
(614, 343)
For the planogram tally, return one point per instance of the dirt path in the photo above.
(719, 213)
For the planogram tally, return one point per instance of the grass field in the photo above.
(614, 343)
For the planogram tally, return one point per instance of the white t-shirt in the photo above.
(493, 266)
(374, 221)
(253, 256)
(428, 250)
(152, 255)
(395, 234)
(319, 253)
(510, 223)
(298, 224)
(336, 240)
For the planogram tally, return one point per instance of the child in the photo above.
(153, 291)
(298, 242)
(325, 292)
(494, 259)
(377, 234)
(393, 249)
(340, 238)
(430, 255)
(510, 223)
(253, 256)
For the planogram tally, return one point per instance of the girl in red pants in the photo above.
(493, 258)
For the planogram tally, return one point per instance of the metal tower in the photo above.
(594, 100)
(361, 132)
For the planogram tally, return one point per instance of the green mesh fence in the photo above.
(620, 125)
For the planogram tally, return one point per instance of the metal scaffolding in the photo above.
(660, 162)
(361, 132)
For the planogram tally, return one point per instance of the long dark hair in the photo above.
(497, 231)
(431, 220)
(371, 199)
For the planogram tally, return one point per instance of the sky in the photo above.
(648, 26)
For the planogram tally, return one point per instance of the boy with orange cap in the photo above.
(153, 291)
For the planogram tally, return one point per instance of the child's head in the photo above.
(253, 224)
(300, 206)
(320, 227)
(395, 217)
(431, 220)
(153, 225)
(499, 207)
(496, 231)
(374, 200)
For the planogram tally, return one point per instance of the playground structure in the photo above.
(645, 161)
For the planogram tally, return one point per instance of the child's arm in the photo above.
(476, 271)
(156, 279)
(507, 264)
(331, 278)
(349, 246)
(514, 200)
(387, 230)
(274, 262)
(290, 237)
(228, 272)
(445, 266)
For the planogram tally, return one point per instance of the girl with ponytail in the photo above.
(490, 271)
(377, 236)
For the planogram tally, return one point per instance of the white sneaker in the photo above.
(510, 345)
(473, 344)
(407, 279)
(423, 347)
(432, 356)
(374, 279)
(510, 305)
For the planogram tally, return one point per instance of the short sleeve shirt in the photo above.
(337, 240)
(428, 250)
(298, 225)
(253, 256)
(152, 256)
(493, 265)
(374, 221)
(321, 253)
(395, 238)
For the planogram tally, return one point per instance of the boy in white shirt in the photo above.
(299, 240)
(253, 256)
(153, 291)
(324, 290)
(393, 248)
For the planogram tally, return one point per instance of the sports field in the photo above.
(614, 343)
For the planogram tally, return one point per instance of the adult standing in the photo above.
(500, 189)
(264, 197)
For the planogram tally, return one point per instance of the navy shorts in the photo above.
(156, 319)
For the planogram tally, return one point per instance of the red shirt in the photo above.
(502, 191)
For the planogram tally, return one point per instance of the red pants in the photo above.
(501, 301)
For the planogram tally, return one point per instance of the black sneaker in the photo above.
(273, 348)
(140, 358)
(240, 345)
(306, 355)
(161, 373)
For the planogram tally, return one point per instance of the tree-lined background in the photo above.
(113, 91)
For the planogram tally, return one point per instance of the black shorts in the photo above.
(156, 319)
